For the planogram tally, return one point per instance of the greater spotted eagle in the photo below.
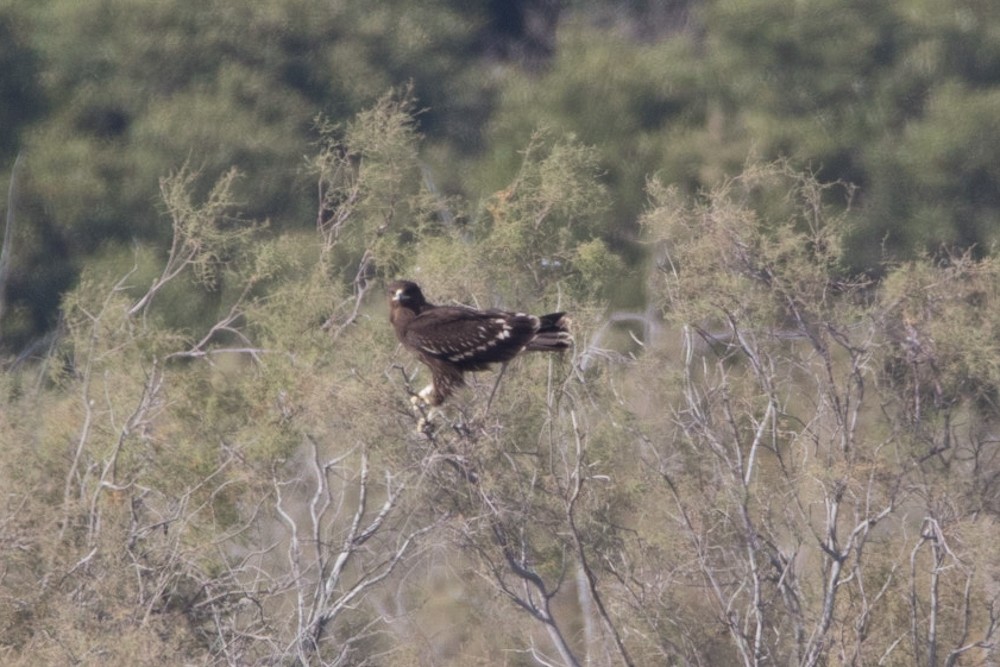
(452, 340)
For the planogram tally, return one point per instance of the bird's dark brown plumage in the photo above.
(452, 340)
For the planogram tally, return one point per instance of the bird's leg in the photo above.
(423, 398)
(493, 391)
(421, 401)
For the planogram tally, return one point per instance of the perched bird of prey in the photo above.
(451, 340)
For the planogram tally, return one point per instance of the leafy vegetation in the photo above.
(898, 99)
(773, 442)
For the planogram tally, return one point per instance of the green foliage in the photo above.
(944, 331)
(766, 244)
(799, 390)
(826, 447)
(222, 85)
(640, 105)
(893, 98)
(213, 457)
(871, 95)
(538, 235)
(534, 224)
(368, 182)
(21, 96)
(954, 137)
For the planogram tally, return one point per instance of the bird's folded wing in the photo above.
(464, 335)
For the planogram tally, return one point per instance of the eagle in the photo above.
(453, 340)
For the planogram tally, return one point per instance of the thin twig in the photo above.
(8, 234)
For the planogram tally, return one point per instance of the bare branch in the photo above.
(8, 236)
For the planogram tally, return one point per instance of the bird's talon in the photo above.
(425, 426)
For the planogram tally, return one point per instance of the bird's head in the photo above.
(406, 294)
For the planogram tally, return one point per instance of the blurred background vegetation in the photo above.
(789, 457)
(899, 98)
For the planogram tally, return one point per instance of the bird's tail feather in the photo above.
(553, 333)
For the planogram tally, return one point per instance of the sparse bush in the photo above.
(782, 464)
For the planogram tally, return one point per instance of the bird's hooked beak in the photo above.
(398, 296)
